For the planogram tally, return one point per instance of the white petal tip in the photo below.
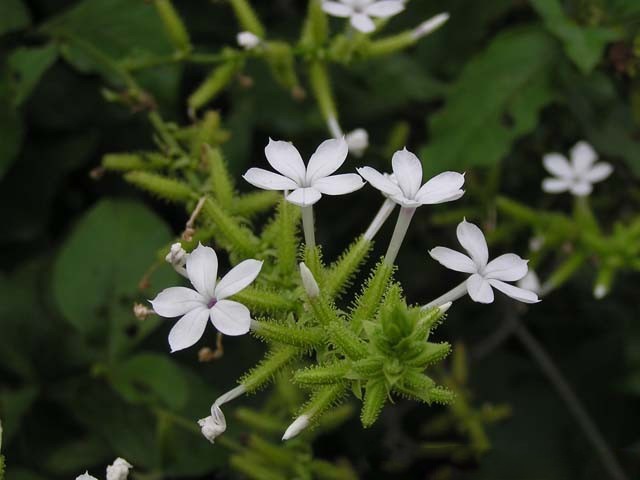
(298, 425)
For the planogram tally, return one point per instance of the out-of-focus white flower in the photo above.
(429, 26)
(600, 291)
(214, 425)
(358, 141)
(578, 175)
(119, 470)
(86, 476)
(360, 12)
(407, 189)
(310, 182)
(248, 40)
(536, 243)
(530, 282)
(208, 300)
(484, 274)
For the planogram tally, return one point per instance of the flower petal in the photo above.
(599, 172)
(556, 185)
(328, 157)
(304, 197)
(189, 329)
(582, 157)
(385, 8)
(238, 278)
(285, 159)
(380, 181)
(231, 318)
(517, 293)
(337, 9)
(175, 301)
(267, 180)
(363, 23)
(202, 269)
(557, 165)
(408, 171)
(473, 241)
(339, 184)
(453, 260)
(508, 267)
(444, 187)
(581, 189)
(479, 289)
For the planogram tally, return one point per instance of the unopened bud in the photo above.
(429, 26)
(309, 283)
(298, 425)
(119, 470)
(358, 141)
(214, 425)
(600, 291)
(248, 40)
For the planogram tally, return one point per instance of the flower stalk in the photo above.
(402, 225)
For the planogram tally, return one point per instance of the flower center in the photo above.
(212, 302)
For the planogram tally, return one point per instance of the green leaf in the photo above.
(26, 67)
(495, 101)
(150, 378)
(584, 45)
(96, 274)
(14, 15)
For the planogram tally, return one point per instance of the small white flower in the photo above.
(358, 141)
(360, 11)
(530, 282)
(308, 183)
(407, 190)
(214, 425)
(578, 175)
(119, 470)
(86, 476)
(208, 300)
(484, 274)
(248, 40)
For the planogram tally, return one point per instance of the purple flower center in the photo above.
(212, 302)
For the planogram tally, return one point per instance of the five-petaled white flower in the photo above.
(208, 300)
(214, 425)
(308, 183)
(361, 11)
(484, 274)
(407, 189)
(578, 175)
(119, 470)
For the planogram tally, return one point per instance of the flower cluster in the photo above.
(119, 470)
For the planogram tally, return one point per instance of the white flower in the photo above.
(308, 183)
(214, 425)
(577, 176)
(86, 476)
(357, 141)
(407, 190)
(484, 274)
(119, 470)
(208, 300)
(248, 40)
(361, 11)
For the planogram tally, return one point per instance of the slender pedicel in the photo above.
(308, 226)
(379, 220)
(402, 225)
(449, 297)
